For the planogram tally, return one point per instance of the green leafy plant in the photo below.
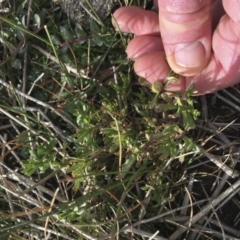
(89, 150)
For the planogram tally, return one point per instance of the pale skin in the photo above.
(198, 39)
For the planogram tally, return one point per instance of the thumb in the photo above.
(185, 28)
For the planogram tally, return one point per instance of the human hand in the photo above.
(199, 39)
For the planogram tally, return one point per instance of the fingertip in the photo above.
(119, 19)
(152, 66)
(141, 45)
(232, 8)
(132, 19)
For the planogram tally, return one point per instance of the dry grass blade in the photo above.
(206, 209)
(144, 234)
(157, 217)
(38, 102)
(229, 171)
(54, 59)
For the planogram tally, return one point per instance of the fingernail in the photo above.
(189, 54)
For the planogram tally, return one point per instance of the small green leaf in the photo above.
(126, 166)
(94, 28)
(37, 20)
(55, 40)
(66, 33)
(79, 31)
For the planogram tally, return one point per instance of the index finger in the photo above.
(135, 20)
